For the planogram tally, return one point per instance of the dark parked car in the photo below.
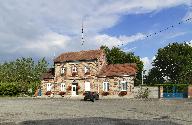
(91, 96)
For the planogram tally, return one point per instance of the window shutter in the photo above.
(119, 86)
(107, 86)
(126, 85)
(85, 69)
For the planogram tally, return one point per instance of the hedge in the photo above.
(9, 89)
(18, 89)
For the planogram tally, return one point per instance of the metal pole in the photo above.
(142, 77)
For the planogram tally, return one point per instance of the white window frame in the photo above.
(62, 70)
(49, 86)
(122, 86)
(86, 69)
(63, 87)
(87, 86)
(74, 69)
(105, 86)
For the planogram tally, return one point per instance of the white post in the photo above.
(142, 77)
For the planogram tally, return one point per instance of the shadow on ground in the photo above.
(94, 121)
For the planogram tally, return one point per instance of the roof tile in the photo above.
(118, 70)
(76, 56)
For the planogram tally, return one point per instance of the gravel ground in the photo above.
(54, 111)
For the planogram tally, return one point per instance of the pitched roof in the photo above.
(118, 70)
(49, 74)
(76, 56)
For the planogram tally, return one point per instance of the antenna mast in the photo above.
(82, 34)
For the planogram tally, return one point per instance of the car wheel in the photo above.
(93, 99)
(97, 97)
(85, 99)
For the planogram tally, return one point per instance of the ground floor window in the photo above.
(106, 86)
(87, 86)
(63, 88)
(49, 86)
(123, 86)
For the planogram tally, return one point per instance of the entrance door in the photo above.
(74, 90)
(39, 92)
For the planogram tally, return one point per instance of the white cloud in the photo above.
(115, 41)
(176, 34)
(147, 63)
(33, 28)
(41, 46)
(129, 49)
(187, 16)
(47, 43)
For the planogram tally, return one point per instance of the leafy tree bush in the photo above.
(9, 89)
(143, 93)
(173, 63)
(22, 73)
(117, 56)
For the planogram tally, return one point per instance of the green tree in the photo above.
(23, 71)
(174, 63)
(117, 56)
(153, 77)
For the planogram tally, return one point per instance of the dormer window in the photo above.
(74, 69)
(62, 70)
(87, 70)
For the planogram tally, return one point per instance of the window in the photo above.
(63, 87)
(123, 86)
(74, 68)
(106, 86)
(87, 86)
(74, 88)
(62, 70)
(49, 86)
(87, 69)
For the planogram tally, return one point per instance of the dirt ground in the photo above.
(60, 111)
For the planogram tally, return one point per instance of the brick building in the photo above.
(77, 72)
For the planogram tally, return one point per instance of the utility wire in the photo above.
(147, 36)
(164, 29)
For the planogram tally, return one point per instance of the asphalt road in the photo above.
(93, 121)
(28, 111)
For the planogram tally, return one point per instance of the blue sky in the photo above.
(153, 22)
(45, 28)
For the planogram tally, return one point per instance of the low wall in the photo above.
(153, 91)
